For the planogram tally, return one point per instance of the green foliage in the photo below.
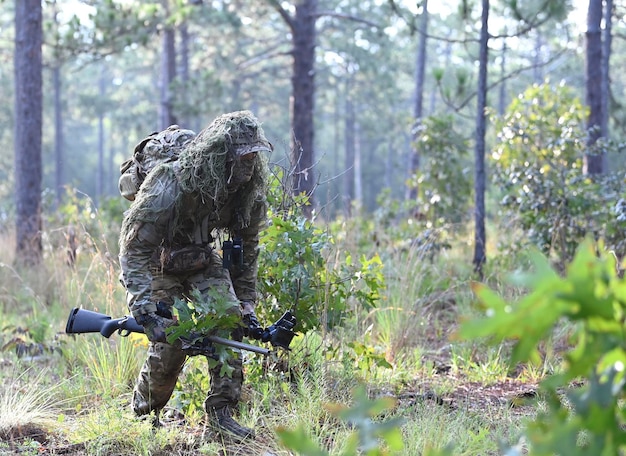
(115, 26)
(366, 359)
(538, 166)
(191, 388)
(112, 430)
(444, 188)
(30, 340)
(211, 313)
(370, 437)
(592, 297)
(78, 224)
(300, 268)
(444, 180)
(204, 314)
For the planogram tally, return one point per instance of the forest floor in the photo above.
(513, 395)
(446, 388)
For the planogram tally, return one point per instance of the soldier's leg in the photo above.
(225, 389)
(157, 378)
(164, 362)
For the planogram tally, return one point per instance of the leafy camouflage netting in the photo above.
(203, 162)
(202, 168)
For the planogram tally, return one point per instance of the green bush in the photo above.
(444, 181)
(300, 268)
(587, 419)
(538, 167)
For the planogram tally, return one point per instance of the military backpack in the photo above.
(159, 147)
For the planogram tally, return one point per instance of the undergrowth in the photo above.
(388, 371)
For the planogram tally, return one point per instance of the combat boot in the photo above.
(223, 422)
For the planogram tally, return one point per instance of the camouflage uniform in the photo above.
(186, 221)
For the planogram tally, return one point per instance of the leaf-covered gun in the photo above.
(81, 321)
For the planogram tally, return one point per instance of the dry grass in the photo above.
(28, 408)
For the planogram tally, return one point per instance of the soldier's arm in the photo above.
(245, 278)
(141, 238)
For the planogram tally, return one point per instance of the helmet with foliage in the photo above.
(203, 163)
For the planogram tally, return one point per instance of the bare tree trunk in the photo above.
(168, 72)
(58, 116)
(349, 136)
(594, 162)
(302, 106)
(420, 65)
(480, 238)
(606, 66)
(28, 129)
(183, 72)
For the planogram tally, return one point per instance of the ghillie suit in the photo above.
(214, 191)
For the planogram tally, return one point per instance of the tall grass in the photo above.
(421, 306)
(28, 404)
(422, 300)
(112, 365)
(465, 433)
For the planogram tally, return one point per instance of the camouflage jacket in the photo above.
(142, 244)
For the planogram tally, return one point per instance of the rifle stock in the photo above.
(81, 321)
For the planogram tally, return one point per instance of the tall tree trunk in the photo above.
(58, 114)
(480, 238)
(304, 34)
(168, 72)
(183, 73)
(420, 65)
(349, 137)
(302, 102)
(606, 66)
(58, 134)
(28, 129)
(594, 162)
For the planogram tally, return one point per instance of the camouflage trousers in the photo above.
(164, 362)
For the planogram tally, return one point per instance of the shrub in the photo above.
(591, 297)
(538, 166)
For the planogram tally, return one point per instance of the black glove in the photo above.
(154, 325)
(252, 328)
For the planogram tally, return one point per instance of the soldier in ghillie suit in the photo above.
(215, 190)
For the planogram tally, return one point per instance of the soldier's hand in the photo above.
(252, 328)
(154, 325)
(247, 308)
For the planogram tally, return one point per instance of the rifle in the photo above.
(82, 321)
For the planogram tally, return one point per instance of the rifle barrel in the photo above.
(239, 345)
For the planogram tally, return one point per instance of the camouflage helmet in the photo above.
(244, 134)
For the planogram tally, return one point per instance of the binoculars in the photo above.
(232, 253)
